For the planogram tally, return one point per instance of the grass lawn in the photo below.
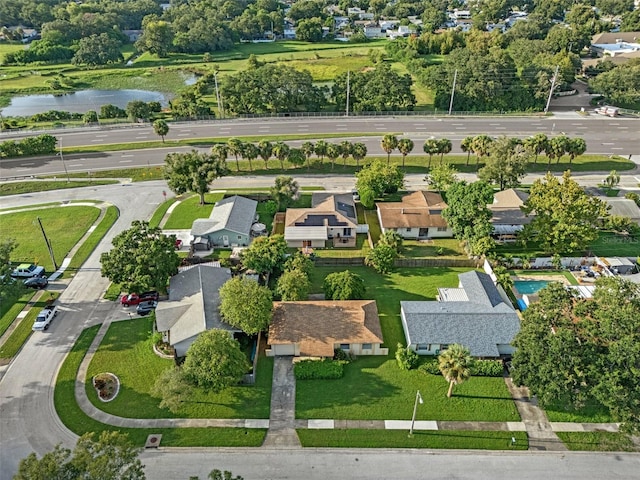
(360, 250)
(78, 422)
(374, 388)
(127, 352)
(64, 227)
(11, 307)
(589, 414)
(157, 216)
(111, 215)
(190, 209)
(598, 441)
(22, 332)
(354, 438)
(450, 248)
(113, 291)
(17, 188)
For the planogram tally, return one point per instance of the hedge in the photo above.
(326, 369)
(480, 368)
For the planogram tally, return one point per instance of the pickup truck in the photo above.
(45, 317)
(27, 270)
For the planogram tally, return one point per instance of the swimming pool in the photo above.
(529, 287)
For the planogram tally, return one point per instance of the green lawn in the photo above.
(111, 215)
(587, 414)
(64, 227)
(354, 438)
(11, 307)
(77, 421)
(360, 250)
(157, 216)
(17, 188)
(448, 248)
(598, 441)
(127, 352)
(190, 209)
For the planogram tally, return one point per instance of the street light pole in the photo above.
(64, 164)
(415, 408)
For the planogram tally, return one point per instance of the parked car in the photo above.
(36, 282)
(45, 317)
(135, 299)
(27, 270)
(146, 307)
(178, 244)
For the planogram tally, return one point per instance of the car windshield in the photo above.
(32, 268)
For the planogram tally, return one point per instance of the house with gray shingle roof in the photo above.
(475, 315)
(229, 223)
(192, 307)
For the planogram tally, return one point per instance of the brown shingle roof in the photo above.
(416, 210)
(316, 326)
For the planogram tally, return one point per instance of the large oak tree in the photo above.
(193, 172)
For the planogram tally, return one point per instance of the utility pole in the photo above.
(64, 164)
(415, 408)
(348, 91)
(453, 89)
(553, 85)
(215, 79)
(46, 240)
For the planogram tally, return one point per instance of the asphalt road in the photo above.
(620, 136)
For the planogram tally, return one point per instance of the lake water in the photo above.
(79, 102)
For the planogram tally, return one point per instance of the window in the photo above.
(306, 243)
(408, 229)
(239, 237)
(443, 346)
(422, 346)
(345, 346)
(442, 229)
(367, 346)
(346, 232)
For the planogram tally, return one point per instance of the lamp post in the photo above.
(63, 164)
(415, 408)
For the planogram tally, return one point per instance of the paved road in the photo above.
(603, 135)
(28, 421)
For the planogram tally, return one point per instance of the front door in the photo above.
(306, 244)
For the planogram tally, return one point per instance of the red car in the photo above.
(135, 299)
(178, 244)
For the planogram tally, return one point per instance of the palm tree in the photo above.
(333, 152)
(612, 180)
(345, 148)
(536, 144)
(266, 150)
(235, 147)
(556, 148)
(480, 146)
(576, 146)
(455, 365)
(308, 148)
(389, 143)
(220, 151)
(321, 149)
(281, 151)
(465, 145)
(405, 145)
(444, 146)
(161, 128)
(251, 152)
(359, 152)
(430, 147)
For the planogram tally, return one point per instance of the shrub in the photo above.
(487, 368)
(326, 369)
(407, 359)
(341, 355)
(431, 368)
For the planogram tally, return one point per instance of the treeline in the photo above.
(38, 145)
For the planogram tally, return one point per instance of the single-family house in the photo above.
(360, 13)
(475, 315)
(373, 30)
(624, 207)
(331, 217)
(317, 328)
(417, 215)
(508, 218)
(133, 35)
(192, 307)
(229, 223)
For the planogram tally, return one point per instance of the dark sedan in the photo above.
(36, 282)
(146, 307)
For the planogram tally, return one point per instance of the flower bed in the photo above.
(107, 386)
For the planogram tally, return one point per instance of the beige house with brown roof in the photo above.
(317, 328)
(418, 215)
(508, 218)
(331, 218)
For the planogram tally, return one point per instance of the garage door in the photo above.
(285, 349)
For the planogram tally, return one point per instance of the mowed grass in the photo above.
(11, 307)
(364, 438)
(598, 441)
(127, 352)
(77, 421)
(64, 227)
(190, 209)
(18, 188)
(158, 215)
(327, 69)
(110, 216)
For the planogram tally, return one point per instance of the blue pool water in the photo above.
(528, 287)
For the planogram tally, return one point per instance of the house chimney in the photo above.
(402, 211)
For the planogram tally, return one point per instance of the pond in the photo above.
(79, 102)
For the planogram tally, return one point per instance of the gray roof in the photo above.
(480, 324)
(343, 203)
(193, 303)
(235, 214)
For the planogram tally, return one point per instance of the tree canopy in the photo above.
(379, 179)
(110, 456)
(142, 258)
(215, 361)
(575, 352)
(193, 172)
(265, 254)
(344, 285)
(455, 365)
(565, 217)
(506, 165)
(284, 191)
(245, 304)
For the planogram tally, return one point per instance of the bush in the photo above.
(407, 358)
(326, 369)
(341, 355)
(431, 368)
(487, 368)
